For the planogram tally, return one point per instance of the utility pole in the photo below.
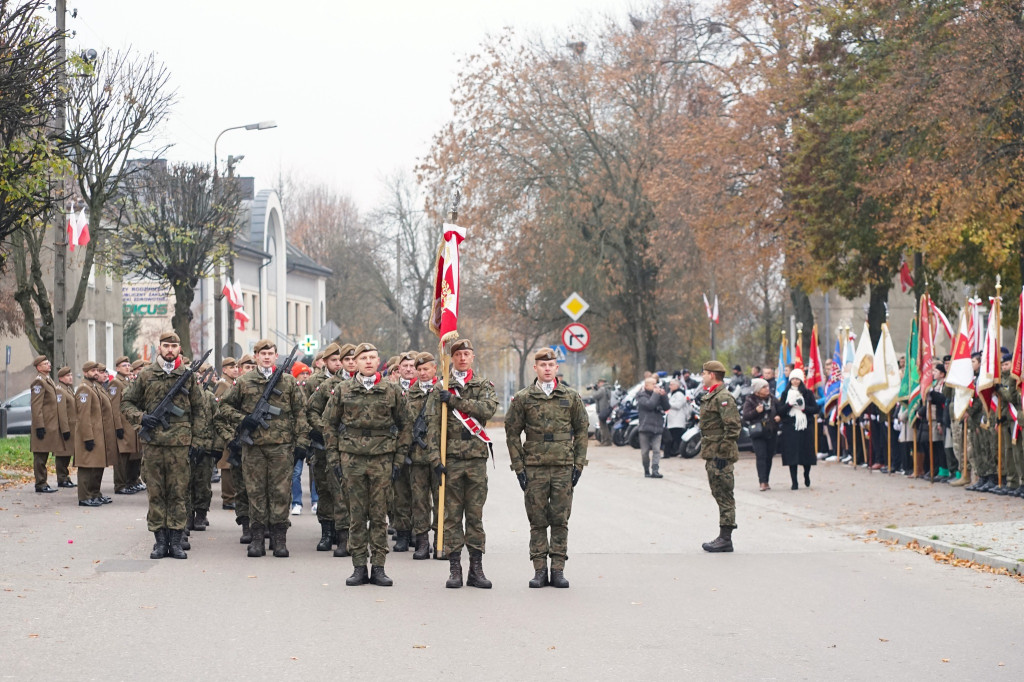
(60, 233)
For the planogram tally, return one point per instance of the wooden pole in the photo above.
(931, 444)
(963, 465)
(888, 439)
(916, 470)
(445, 365)
(999, 433)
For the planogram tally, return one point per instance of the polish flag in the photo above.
(444, 313)
(714, 313)
(78, 229)
(960, 373)
(707, 306)
(242, 317)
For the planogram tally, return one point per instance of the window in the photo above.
(92, 277)
(110, 346)
(90, 339)
(288, 318)
(309, 319)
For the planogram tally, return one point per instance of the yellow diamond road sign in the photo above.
(575, 306)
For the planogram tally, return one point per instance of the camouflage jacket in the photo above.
(212, 405)
(555, 426)
(315, 381)
(976, 411)
(417, 402)
(288, 427)
(146, 392)
(317, 403)
(478, 400)
(720, 425)
(368, 422)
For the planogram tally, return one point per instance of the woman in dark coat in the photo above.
(796, 436)
(762, 408)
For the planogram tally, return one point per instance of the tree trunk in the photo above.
(804, 315)
(184, 294)
(877, 310)
(767, 319)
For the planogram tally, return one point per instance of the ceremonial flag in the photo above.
(815, 377)
(849, 363)
(927, 345)
(976, 324)
(444, 313)
(991, 356)
(960, 373)
(1017, 362)
(780, 372)
(78, 229)
(835, 377)
(864, 379)
(906, 281)
(910, 386)
(885, 358)
(798, 356)
(939, 320)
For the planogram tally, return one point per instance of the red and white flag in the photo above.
(960, 373)
(991, 356)
(444, 313)
(78, 229)
(940, 321)
(714, 313)
(233, 293)
(926, 345)
(815, 378)
(1017, 363)
(975, 324)
(906, 281)
(242, 317)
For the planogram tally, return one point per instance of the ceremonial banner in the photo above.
(991, 357)
(834, 381)
(885, 358)
(780, 372)
(910, 386)
(815, 376)
(926, 342)
(960, 373)
(863, 377)
(444, 313)
(1017, 362)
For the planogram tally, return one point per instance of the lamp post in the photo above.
(218, 296)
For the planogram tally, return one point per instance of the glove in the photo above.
(395, 472)
(299, 454)
(250, 424)
(120, 434)
(576, 473)
(194, 454)
(150, 422)
(720, 463)
(316, 436)
(89, 445)
(40, 433)
(440, 471)
(444, 394)
(66, 435)
(522, 480)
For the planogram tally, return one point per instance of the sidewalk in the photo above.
(996, 544)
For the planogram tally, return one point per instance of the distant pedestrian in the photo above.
(679, 411)
(651, 404)
(797, 433)
(761, 412)
(602, 397)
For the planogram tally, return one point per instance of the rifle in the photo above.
(167, 405)
(262, 413)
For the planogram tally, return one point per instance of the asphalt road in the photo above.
(803, 597)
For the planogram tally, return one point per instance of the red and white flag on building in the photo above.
(444, 313)
(233, 293)
(78, 229)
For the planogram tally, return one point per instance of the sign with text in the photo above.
(146, 298)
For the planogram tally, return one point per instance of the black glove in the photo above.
(66, 435)
(40, 433)
(150, 422)
(444, 394)
(120, 434)
(576, 473)
(522, 480)
(440, 471)
(720, 463)
(194, 454)
(316, 436)
(395, 472)
(299, 454)
(250, 424)
(89, 445)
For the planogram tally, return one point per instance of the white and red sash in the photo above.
(471, 423)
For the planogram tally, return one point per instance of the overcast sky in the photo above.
(357, 88)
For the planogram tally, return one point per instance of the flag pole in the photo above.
(445, 367)
(999, 427)
(888, 440)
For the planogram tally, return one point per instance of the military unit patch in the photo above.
(83, 398)
(36, 389)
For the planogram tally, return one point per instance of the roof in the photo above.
(300, 261)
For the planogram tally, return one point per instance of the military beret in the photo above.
(347, 350)
(318, 356)
(205, 368)
(264, 344)
(39, 360)
(545, 354)
(462, 344)
(424, 358)
(1007, 356)
(227, 362)
(62, 371)
(408, 355)
(714, 366)
(89, 366)
(169, 337)
(138, 364)
(332, 349)
(101, 367)
(392, 361)
(123, 358)
(247, 360)
(364, 348)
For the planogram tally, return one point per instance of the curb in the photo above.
(967, 553)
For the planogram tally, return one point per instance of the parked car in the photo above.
(19, 413)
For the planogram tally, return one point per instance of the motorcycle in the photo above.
(624, 422)
(690, 442)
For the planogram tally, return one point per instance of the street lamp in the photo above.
(218, 296)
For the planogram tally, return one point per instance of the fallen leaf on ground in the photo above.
(945, 660)
(419, 646)
(33, 636)
(882, 639)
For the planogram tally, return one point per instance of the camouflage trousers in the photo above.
(368, 483)
(983, 449)
(465, 495)
(401, 505)
(241, 495)
(548, 505)
(338, 489)
(956, 442)
(1011, 458)
(423, 493)
(722, 483)
(165, 470)
(267, 470)
(325, 488)
(200, 491)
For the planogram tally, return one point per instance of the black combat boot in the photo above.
(176, 549)
(280, 534)
(379, 578)
(257, 546)
(422, 547)
(160, 548)
(455, 563)
(358, 577)
(540, 578)
(246, 538)
(987, 484)
(268, 533)
(326, 536)
(201, 522)
(342, 549)
(558, 578)
(190, 521)
(185, 544)
(402, 540)
(476, 577)
(723, 543)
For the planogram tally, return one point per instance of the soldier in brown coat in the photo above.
(127, 437)
(90, 449)
(50, 429)
(112, 430)
(66, 397)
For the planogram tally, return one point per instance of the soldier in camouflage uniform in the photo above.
(549, 464)
(201, 462)
(228, 370)
(246, 364)
(319, 388)
(720, 427)
(423, 460)
(402, 500)
(1009, 395)
(267, 463)
(465, 462)
(368, 414)
(982, 438)
(165, 456)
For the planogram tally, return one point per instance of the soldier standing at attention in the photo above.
(66, 397)
(127, 438)
(469, 403)
(402, 504)
(319, 388)
(166, 455)
(368, 414)
(229, 371)
(246, 364)
(50, 429)
(423, 459)
(267, 463)
(113, 428)
(549, 464)
(201, 461)
(719, 430)
(90, 451)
